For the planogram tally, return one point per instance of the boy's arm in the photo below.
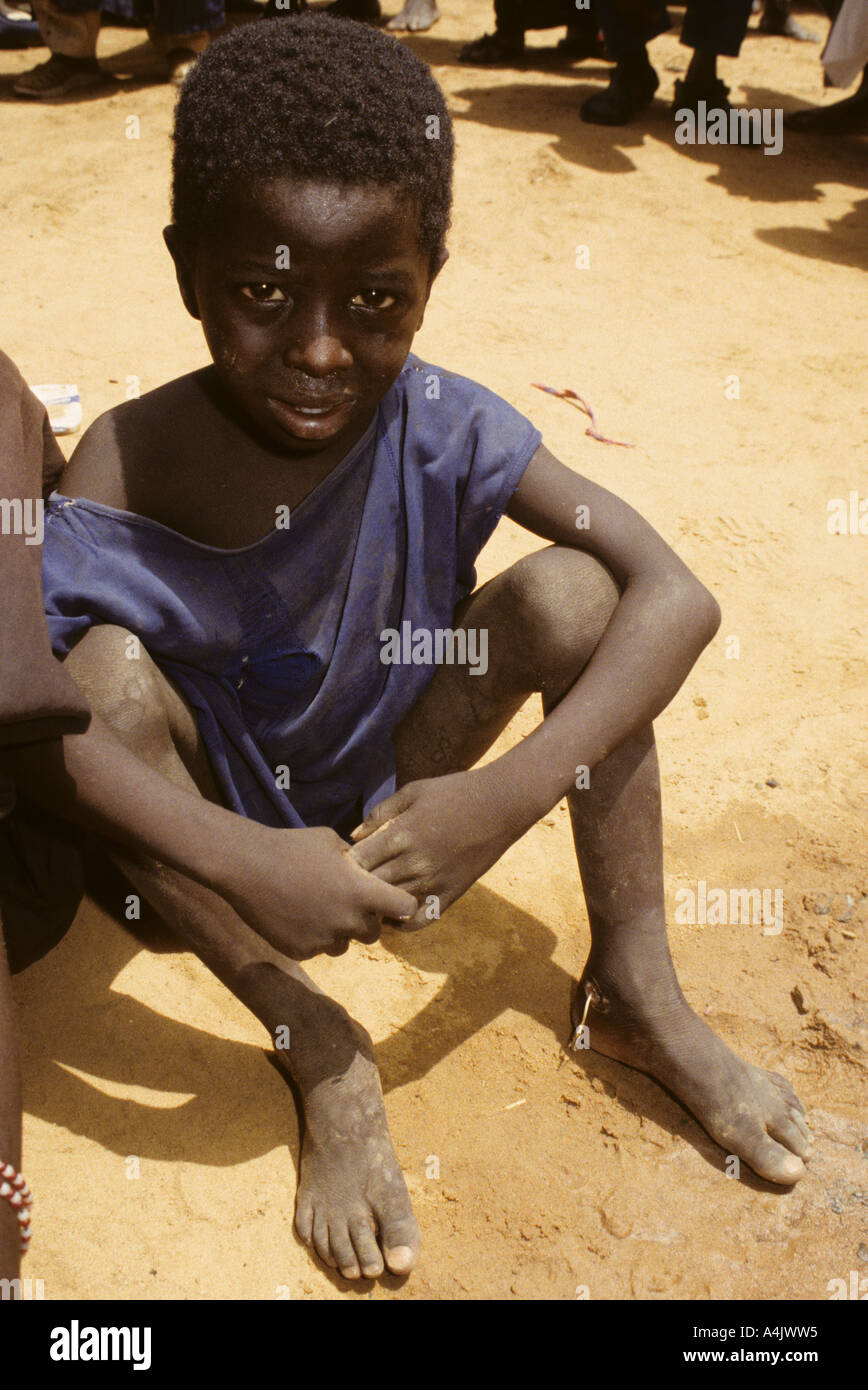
(297, 888)
(440, 834)
(663, 621)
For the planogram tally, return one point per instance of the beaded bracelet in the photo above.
(13, 1186)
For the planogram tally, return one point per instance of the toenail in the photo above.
(401, 1256)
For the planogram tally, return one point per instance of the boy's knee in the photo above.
(564, 601)
(121, 682)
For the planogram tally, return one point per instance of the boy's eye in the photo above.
(373, 299)
(264, 293)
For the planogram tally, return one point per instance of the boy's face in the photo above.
(309, 296)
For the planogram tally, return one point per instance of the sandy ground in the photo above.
(161, 1144)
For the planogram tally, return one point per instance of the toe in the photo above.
(788, 1133)
(786, 1089)
(321, 1242)
(798, 1119)
(370, 1257)
(342, 1249)
(401, 1258)
(401, 1244)
(772, 1161)
(304, 1220)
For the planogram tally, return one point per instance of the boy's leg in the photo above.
(352, 1202)
(559, 602)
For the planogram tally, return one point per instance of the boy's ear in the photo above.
(440, 260)
(436, 266)
(183, 259)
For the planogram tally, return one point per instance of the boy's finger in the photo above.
(408, 924)
(380, 816)
(368, 826)
(385, 899)
(388, 901)
(369, 854)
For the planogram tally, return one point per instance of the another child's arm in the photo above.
(10, 1117)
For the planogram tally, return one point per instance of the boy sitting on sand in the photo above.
(230, 557)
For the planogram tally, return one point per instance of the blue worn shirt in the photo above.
(277, 645)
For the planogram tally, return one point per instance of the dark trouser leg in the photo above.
(716, 26)
(627, 29)
(628, 25)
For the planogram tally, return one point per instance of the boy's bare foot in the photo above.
(753, 1114)
(352, 1203)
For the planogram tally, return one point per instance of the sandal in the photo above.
(59, 76)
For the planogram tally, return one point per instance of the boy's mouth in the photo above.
(311, 419)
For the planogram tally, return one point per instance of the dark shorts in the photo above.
(41, 882)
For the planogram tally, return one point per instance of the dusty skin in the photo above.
(534, 1172)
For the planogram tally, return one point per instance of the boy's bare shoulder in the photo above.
(130, 443)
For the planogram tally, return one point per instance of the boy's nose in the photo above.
(315, 345)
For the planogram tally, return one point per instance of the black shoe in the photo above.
(847, 117)
(715, 96)
(631, 87)
(689, 93)
(493, 48)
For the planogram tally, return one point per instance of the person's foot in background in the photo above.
(776, 19)
(59, 76)
(72, 67)
(416, 17)
(631, 88)
(503, 46)
(847, 117)
(701, 83)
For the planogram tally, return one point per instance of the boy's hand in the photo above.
(304, 892)
(437, 836)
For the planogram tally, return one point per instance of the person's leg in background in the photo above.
(182, 30)
(70, 29)
(512, 19)
(844, 61)
(628, 27)
(712, 28)
(776, 19)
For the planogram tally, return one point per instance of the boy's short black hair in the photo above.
(315, 97)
